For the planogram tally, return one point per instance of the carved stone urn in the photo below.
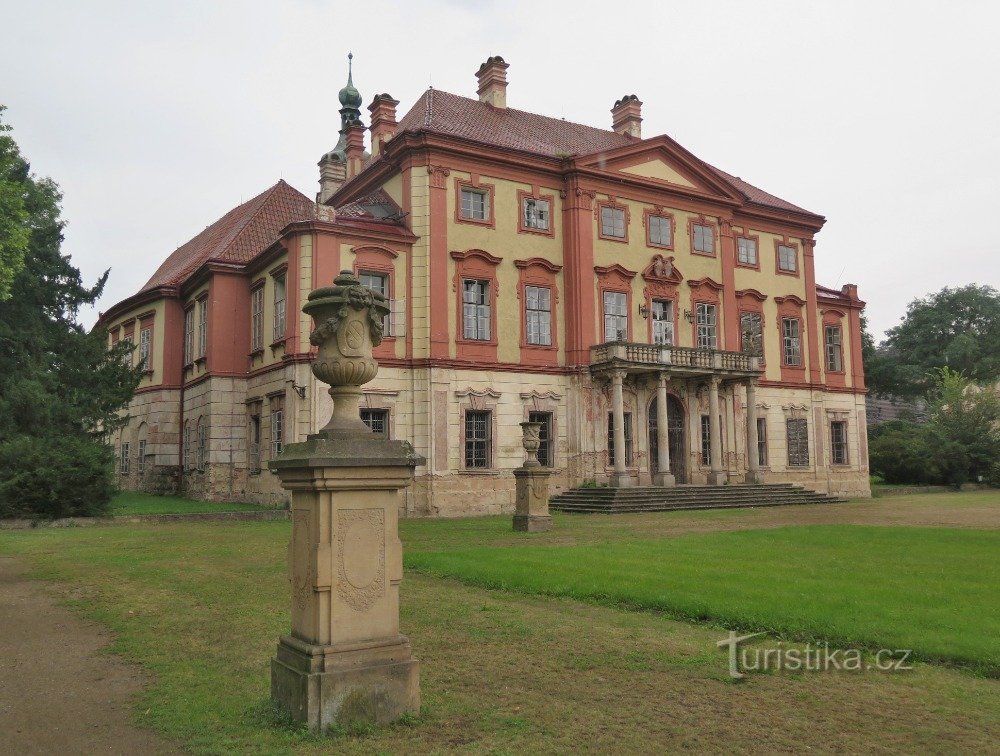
(348, 319)
(531, 441)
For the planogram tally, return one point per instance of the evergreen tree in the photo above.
(61, 388)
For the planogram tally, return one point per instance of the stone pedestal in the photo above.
(531, 510)
(665, 479)
(345, 660)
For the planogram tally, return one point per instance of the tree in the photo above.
(61, 388)
(13, 216)
(955, 328)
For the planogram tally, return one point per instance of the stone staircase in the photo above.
(657, 499)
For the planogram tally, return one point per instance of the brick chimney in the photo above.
(355, 148)
(383, 110)
(626, 116)
(492, 77)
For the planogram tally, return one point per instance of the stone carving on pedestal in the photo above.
(531, 507)
(344, 660)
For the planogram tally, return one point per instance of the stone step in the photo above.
(659, 499)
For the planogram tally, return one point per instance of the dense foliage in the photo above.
(60, 387)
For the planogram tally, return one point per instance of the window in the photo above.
(838, 442)
(376, 419)
(145, 342)
(663, 322)
(379, 283)
(189, 336)
(615, 316)
(746, 251)
(277, 431)
(613, 222)
(786, 259)
(478, 439)
(475, 204)
(707, 325)
(834, 351)
(123, 460)
(279, 308)
(752, 333)
(798, 442)
(257, 319)
(538, 312)
(202, 326)
(659, 231)
(141, 459)
(476, 310)
(202, 445)
(628, 438)
(545, 456)
(706, 439)
(188, 447)
(791, 342)
(762, 441)
(535, 213)
(127, 355)
(703, 239)
(253, 448)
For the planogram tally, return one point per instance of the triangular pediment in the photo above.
(662, 161)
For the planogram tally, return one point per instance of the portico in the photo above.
(687, 369)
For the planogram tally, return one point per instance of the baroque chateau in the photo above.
(659, 316)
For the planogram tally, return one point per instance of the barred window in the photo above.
(838, 442)
(708, 325)
(613, 222)
(545, 456)
(279, 308)
(257, 319)
(663, 322)
(706, 439)
(746, 251)
(659, 231)
(834, 349)
(615, 316)
(376, 419)
(536, 213)
(703, 238)
(762, 441)
(797, 431)
(538, 314)
(478, 439)
(476, 310)
(475, 204)
(791, 341)
(628, 438)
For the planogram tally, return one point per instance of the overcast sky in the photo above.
(157, 118)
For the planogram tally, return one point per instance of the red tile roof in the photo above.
(238, 236)
(446, 113)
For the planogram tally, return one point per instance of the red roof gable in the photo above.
(238, 236)
(446, 113)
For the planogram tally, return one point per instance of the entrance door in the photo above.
(675, 438)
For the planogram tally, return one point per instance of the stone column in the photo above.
(531, 510)
(345, 661)
(663, 475)
(716, 475)
(620, 478)
(753, 461)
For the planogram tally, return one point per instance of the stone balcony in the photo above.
(679, 361)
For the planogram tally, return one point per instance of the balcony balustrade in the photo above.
(684, 361)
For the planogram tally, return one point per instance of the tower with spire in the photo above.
(333, 165)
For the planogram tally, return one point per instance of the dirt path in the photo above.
(58, 694)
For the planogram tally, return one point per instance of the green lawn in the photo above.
(135, 503)
(933, 590)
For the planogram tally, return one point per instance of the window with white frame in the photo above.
(253, 447)
(145, 344)
(659, 231)
(478, 439)
(476, 313)
(838, 442)
(379, 283)
(202, 326)
(834, 349)
(752, 333)
(538, 315)
(535, 213)
(627, 416)
(613, 222)
(277, 431)
(257, 319)
(377, 420)
(787, 259)
(123, 459)
(141, 458)
(703, 238)
(279, 307)
(475, 204)
(791, 341)
(746, 251)
(615, 316)
(797, 432)
(189, 336)
(707, 325)
(663, 322)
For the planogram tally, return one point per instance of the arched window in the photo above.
(202, 444)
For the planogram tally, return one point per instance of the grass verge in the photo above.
(130, 503)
